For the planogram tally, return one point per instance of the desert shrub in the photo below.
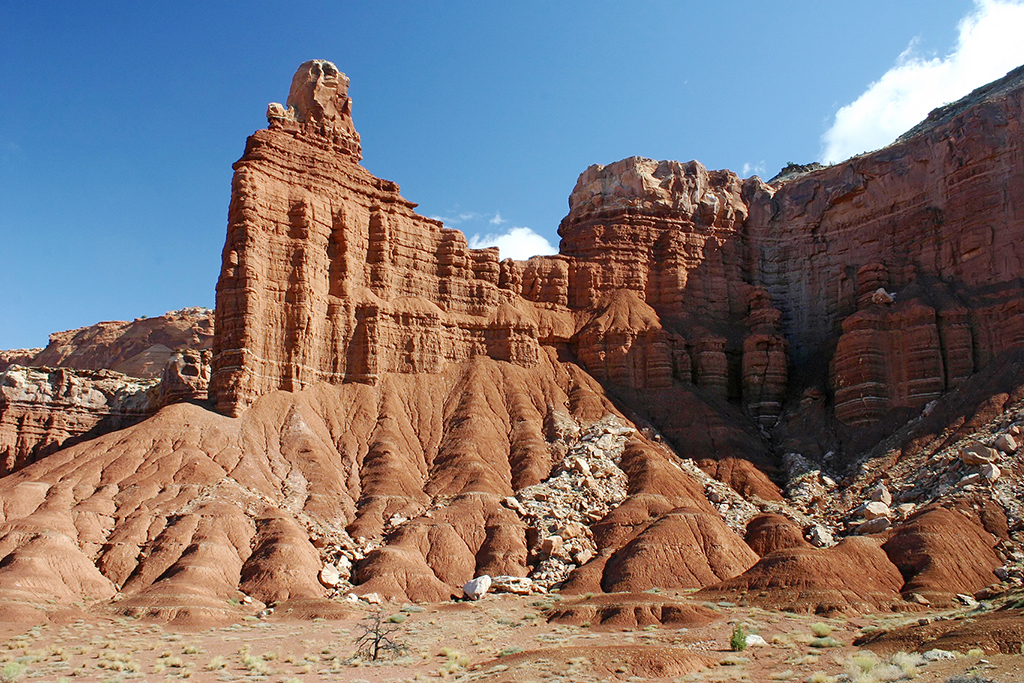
(738, 640)
(827, 641)
(821, 630)
(907, 662)
(12, 671)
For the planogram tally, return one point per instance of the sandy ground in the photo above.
(500, 638)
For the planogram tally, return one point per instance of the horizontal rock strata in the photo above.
(398, 413)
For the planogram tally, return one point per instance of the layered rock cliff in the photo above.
(43, 409)
(329, 274)
(100, 378)
(407, 412)
(138, 348)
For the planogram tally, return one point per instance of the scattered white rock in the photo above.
(373, 598)
(873, 526)
(583, 556)
(937, 655)
(969, 480)
(476, 588)
(580, 466)
(512, 503)
(880, 493)
(552, 546)
(330, 576)
(754, 640)
(519, 585)
(820, 536)
(904, 509)
(967, 600)
(882, 297)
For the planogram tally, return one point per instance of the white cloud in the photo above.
(989, 45)
(457, 218)
(497, 220)
(517, 243)
(752, 169)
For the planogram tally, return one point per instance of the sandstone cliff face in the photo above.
(100, 378)
(17, 357)
(329, 274)
(140, 348)
(936, 221)
(42, 409)
(417, 412)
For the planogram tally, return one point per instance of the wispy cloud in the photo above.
(518, 243)
(457, 218)
(752, 169)
(989, 45)
(497, 220)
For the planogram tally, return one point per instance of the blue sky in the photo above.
(120, 121)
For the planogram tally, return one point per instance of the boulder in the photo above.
(873, 526)
(330, 576)
(477, 588)
(552, 546)
(904, 509)
(978, 454)
(820, 537)
(880, 493)
(519, 585)
(754, 640)
(875, 510)
(989, 472)
(882, 297)
(1006, 443)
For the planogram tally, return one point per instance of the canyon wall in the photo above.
(901, 266)
(41, 410)
(98, 379)
(138, 348)
(329, 275)
(908, 255)
(403, 413)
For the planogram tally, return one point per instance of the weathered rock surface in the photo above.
(17, 357)
(140, 348)
(769, 532)
(98, 379)
(855, 575)
(41, 409)
(941, 553)
(400, 414)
